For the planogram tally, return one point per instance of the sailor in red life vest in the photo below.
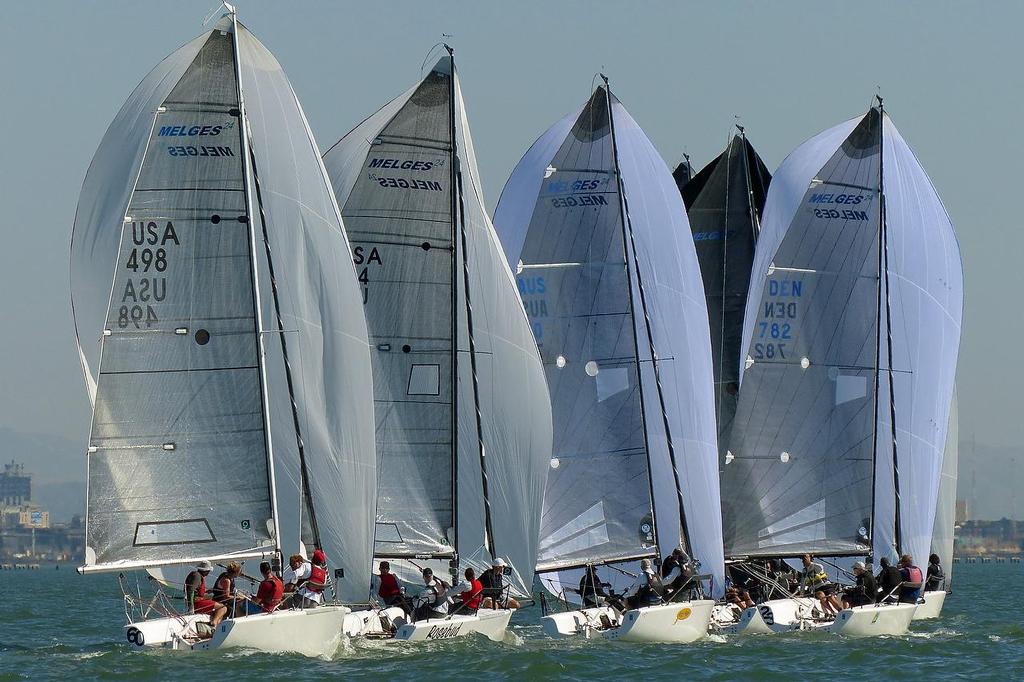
(472, 593)
(388, 589)
(913, 578)
(269, 594)
(311, 592)
(195, 594)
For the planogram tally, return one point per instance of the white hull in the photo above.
(491, 623)
(678, 622)
(312, 632)
(932, 606)
(581, 622)
(772, 617)
(873, 621)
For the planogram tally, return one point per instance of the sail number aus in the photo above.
(149, 258)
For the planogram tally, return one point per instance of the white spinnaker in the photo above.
(945, 508)
(319, 301)
(677, 309)
(569, 167)
(514, 411)
(104, 199)
(323, 327)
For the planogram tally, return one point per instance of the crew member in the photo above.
(646, 588)
(195, 594)
(433, 600)
(495, 589)
(913, 579)
(936, 579)
(224, 590)
(472, 593)
(677, 576)
(310, 593)
(269, 594)
(888, 579)
(388, 589)
(814, 580)
(863, 592)
(591, 588)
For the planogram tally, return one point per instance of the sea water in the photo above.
(56, 624)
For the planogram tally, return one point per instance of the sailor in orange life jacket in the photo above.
(913, 578)
(472, 593)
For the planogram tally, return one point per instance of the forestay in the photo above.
(569, 227)
(724, 202)
(455, 366)
(178, 453)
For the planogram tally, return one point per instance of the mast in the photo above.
(884, 240)
(459, 223)
(627, 231)
(883, 274)
(254, 274)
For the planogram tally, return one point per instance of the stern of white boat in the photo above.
(311, 632)
(874, 620)
(678, 622)
(932, 605)
(491, 623)
(582, 622)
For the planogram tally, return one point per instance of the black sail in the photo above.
(724, 202)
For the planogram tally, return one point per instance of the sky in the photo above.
(949, 73)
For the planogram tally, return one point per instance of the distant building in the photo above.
(960, 515)
(15, 485)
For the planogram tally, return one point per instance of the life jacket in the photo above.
(318, 574)
(474, 595)
(218, 593)
(815, 579)
(388, 586)
(914, 574)
(651, 591)
(276, 595)
(668, 564)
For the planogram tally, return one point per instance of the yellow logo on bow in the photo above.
(682, 614)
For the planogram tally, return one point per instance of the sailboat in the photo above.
(724, 204)
(463, 416)
(596, 231)
(945, 520)
(221, 336)
(851, 334)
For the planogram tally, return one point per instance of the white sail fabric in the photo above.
(926, 304)
(106, 190)
(798, 474)
(562, 226)
(323, 329)
(393, 176)
(205, 324)
(945, 507)
(924, 300)
(177, 452)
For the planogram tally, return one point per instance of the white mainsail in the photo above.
(594, 226)
(838, 310)
(181, 465)
(463, 418)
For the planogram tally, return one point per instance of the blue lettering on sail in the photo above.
(788, 288)
(831, 198)
(581, 200)
(191, 131)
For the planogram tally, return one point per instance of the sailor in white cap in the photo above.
(646, 588)
(864, 591)
(496, 589)
(195, 594)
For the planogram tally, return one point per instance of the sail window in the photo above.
(610, 382)
(425, 380)
(387, 532)
(184, 531)
(850, 388)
